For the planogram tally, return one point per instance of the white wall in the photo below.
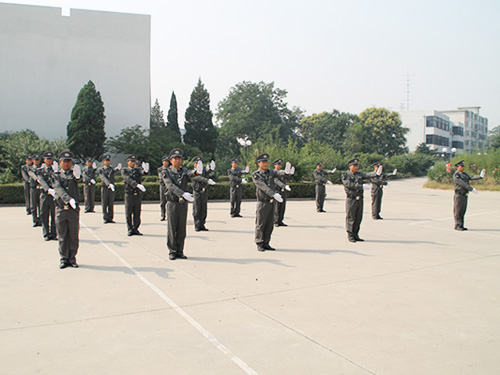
(46, 58)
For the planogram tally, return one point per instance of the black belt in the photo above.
(267, 201)
(356, 197)
(176, 200)
(461, 193)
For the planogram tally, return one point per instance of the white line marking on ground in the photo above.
(240, 363)
(450, 218)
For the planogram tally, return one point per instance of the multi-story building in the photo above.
(446, 132)
(48, 54)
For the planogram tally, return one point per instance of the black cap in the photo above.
(48, 155)
(175, 153)
(354, 161)
(28, 157)
(106, 157)
(461, 163)
(319, 164)
(66, 155)
(88, 159)
(196, 159)
(278, 161)
(132, 157)
(165, 158)
(262, 157)
(234, 160)
(376, 164)
(35, 157)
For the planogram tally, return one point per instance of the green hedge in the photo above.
(14, 193)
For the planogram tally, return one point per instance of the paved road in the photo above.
(416, 298)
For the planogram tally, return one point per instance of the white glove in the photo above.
(474, 191)
(329, 182)
(92, 182)
(77, 172)
(212, 165)
(379, 170)
(243, 181)
(145, 167)
(112, 187)
(247, 169)
(394, 172)
(72, 203)
(388, 184)
(287, 188)
(207, 168)
(333, 170)
(211, 182)
(55, 167)
(288, 167)
(278, 197)
(483, 173)
(199, 167)
(292, 171)
(366, 186)
(119, 166)
(52, 192)
(141, 187)
(188, 196)
(94, 165)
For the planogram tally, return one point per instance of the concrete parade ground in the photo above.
(416, 297)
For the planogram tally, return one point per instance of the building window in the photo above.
(457, 144)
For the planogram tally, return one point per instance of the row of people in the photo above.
(59, 194)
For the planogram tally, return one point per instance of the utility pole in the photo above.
(408, 82)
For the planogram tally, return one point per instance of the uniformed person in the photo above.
(35, 191)
(48, 211)
(266, 194)
(353, 186)
(461, 181)
(378, 183)
(321, 180)
(132, 178)
(26, 178)
(235, 186)
(175, 179)
(67, 209)
(282, 188)
(163, 189)
(107, 175)
(200, 194)
(89, 176)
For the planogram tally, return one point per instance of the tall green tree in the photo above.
(156, 120)
(378, 131)
(86, 135)
(258, 111)
(200, 130)
(327, 127)
(173, 117)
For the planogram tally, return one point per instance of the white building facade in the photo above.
(446, 132)
(47, 57)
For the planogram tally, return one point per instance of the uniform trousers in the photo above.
(235, 195)
(200, 208)
(35, 205)
(459, 208)
(264, 218)
(107, 201)
(320, 197)
(27, 197)
(89, 194)
(354, 215)
(68, 227)
(376, 202)
(163, 200)
(279, 210)
(133, 211)
(48, 213)
(176, 227)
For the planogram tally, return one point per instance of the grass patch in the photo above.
(483, 185)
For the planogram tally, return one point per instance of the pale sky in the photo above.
(328, 54)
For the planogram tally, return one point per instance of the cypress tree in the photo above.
(173, 117)
(156, 120)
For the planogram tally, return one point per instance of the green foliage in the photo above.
(328, 128)
(379, 131)
(423, 148)
(200, 130)
(15, 146)
(131, 140)
(412, 164)
(173, 117)
(258, 111)
(156, 120)
(86, 135)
